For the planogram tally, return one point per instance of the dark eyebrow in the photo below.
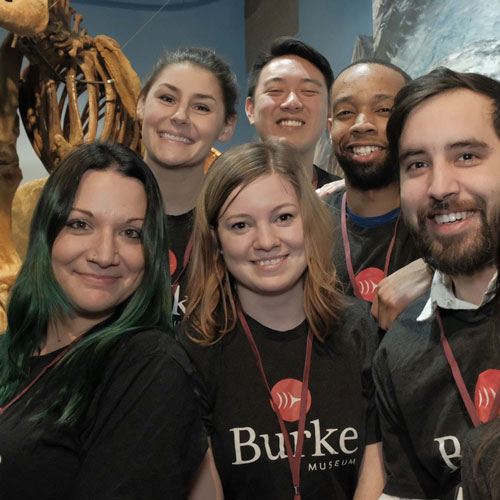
(278, 79)
(466, 143)
(350, 98)
(88, 213)
(175, 89)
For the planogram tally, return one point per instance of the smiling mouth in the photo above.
(270, 262)
(364, 150)
(291, 123)
(176, 138)
(451, 217)
(98, 278)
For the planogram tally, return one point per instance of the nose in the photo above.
(363, 124)
(443, 182)
(292, 102)
(266, 237)
(104, 250)
(180, 114)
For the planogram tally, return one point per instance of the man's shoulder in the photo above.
(407, 336)
(334, 200)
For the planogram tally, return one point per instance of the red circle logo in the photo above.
(173, 262)
(487, 385)
(286, 396)
(368, 280)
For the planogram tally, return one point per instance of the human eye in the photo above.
(310, 92)
(385, 110)
(467, 157)
(167, 98)
(274, 91)
(77, 224)
(132, 233)
(239, 226)
(202, 107)
(285, 217)
(343, 114)
(415, 165)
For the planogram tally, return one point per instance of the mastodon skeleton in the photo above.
(75, 89)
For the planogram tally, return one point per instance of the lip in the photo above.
(174, 137)
(98, 279)
(271, 262)
(363, 153)
(442, 227)
(290, 123)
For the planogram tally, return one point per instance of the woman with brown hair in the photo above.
(284, 360)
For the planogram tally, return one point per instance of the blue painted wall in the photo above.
(329, 25)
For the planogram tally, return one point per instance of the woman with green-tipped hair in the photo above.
(95, 399)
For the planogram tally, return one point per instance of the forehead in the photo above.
(109, 191)
(363, 81)
(290, 68)
(448, 118)
(190, 78)
(264, 193)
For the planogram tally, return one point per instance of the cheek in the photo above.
(134, 259)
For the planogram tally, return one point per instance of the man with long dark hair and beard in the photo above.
(436, 369)
(371, 240)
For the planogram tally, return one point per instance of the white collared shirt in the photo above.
(442, 296)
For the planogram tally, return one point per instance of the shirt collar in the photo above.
(442, 296)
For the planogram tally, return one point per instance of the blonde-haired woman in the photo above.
(284, 360)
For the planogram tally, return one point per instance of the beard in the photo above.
(366, 176)
(461, 254)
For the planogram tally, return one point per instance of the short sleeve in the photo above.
(405, 474)
(145, 437)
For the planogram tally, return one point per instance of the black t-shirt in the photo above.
(324, 177)
(247, 442)
(179, 230)
(423, 418)
(141, 437)
(475, 482)
(369, 246)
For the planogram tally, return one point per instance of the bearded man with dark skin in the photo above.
(372, 241)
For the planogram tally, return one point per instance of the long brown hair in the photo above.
(211, 311)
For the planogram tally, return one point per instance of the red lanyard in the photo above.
(347, 248)
(185, 261)
(293, 460)
(40, 375)
(459, 381)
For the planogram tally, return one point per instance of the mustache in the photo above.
(439, 207)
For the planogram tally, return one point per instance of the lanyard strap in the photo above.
(185, 261)
(459, 381)
(293, 459)
(347, 248)
(40, 375)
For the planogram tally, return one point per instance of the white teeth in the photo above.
(269, 262)
(365, 150)
(177, 138)
(291, 123)
(453, 217)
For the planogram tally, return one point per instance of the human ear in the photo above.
(139, 109)
(228, 129)
(249, 110)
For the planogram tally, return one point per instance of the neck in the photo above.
(472, 288)
(61, 332)
(279, 312)
(306, 159)
(179, 186)
(374, 202)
